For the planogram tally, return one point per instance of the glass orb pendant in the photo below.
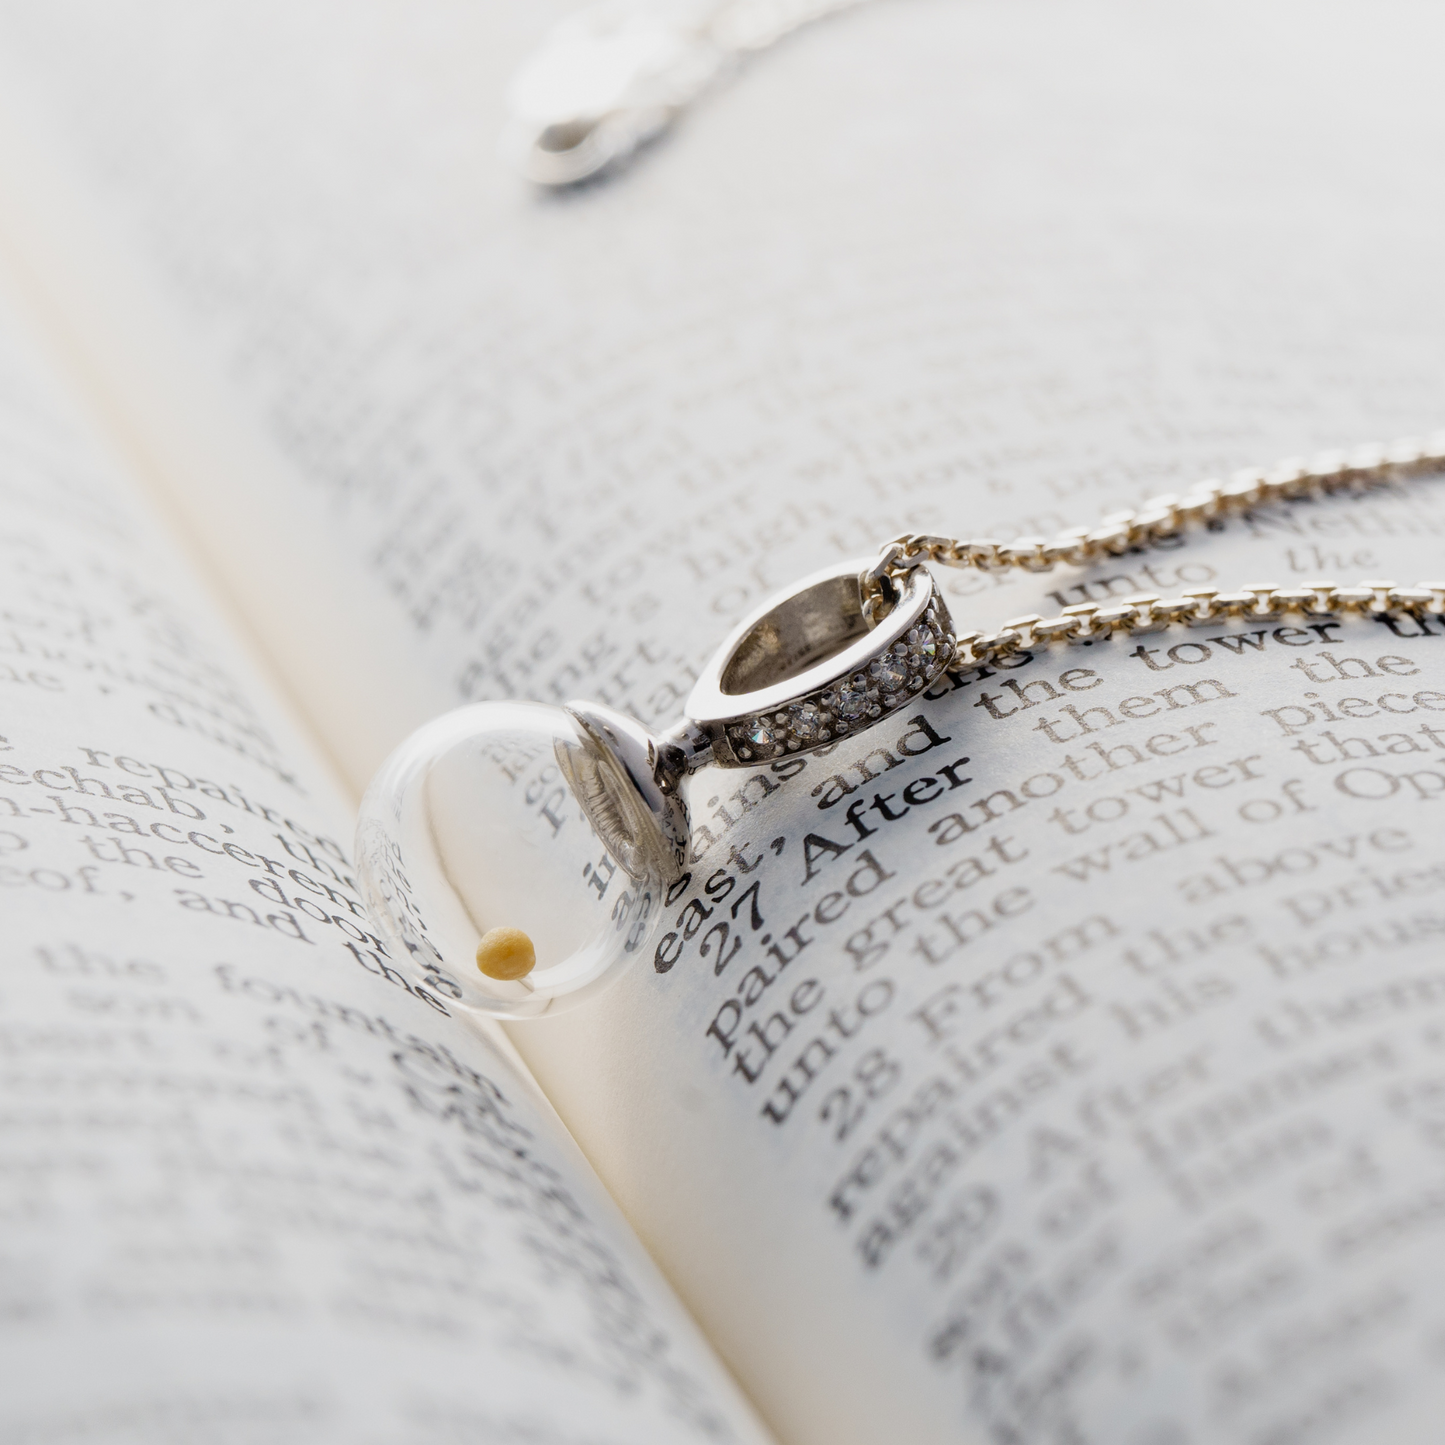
(516, 855)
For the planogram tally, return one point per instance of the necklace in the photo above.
(573, 819)
(613, 76)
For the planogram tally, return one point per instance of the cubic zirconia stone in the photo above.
(891, 671)
(923, 643)
(810, 723)
(853, 701)
(759, 733)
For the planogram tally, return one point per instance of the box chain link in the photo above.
(1359, 469)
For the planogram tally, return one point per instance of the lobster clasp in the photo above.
(606, 81)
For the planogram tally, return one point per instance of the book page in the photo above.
(1058, 1064)
(256, 1185)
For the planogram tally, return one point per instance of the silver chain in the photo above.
(1359, 469)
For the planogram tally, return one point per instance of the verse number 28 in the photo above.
(844, 1107)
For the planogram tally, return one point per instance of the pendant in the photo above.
(517, 856)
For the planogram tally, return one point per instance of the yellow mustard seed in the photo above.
(507, 954)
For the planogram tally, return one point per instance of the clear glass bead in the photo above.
(488, 819)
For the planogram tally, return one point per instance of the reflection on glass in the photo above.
(479, 823)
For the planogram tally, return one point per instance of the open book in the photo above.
(1063, 1063)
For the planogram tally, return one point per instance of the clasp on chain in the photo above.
(606, 81)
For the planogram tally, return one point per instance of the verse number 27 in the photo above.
(714, 942)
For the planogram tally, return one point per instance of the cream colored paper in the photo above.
(255, 1185)
(1141, 1130)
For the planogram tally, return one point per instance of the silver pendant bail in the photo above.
(804, 670)
(807, 668)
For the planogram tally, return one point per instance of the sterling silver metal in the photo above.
(855, 643)
(806, 668)
(822, 661)
(612, 76)
(1209, 502)
(625, 780)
